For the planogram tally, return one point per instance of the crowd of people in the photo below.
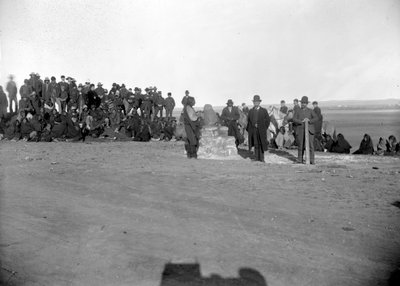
(52, 111)
(288, 134)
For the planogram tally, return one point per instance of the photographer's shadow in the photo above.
(190, 275)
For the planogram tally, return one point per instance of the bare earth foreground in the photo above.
(126, 213)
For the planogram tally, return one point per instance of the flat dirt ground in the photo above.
(130, 213)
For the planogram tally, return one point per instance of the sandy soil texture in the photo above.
(127, 213)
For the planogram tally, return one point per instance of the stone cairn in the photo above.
(215, 142)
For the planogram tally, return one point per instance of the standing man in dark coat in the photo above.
(99, 90)
(318, 123)
(296, 108)
(300, 117)
(159, 102)
(54, 90)
(318, 128)
(185, 98)
(93, 98)
(230, 115)
(169, 104)
(3, 103)
(38, 86)
(258, 122)
(25, 90)
(64, 83)
(12, 93)
(46, 94)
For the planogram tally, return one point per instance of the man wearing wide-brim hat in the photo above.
(258, 122)
(230, 115)
(99, 90)
(300, 117)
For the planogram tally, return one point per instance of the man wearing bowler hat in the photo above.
(258, 122)
(300, 117)
(230, 115)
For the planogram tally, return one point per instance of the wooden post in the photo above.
(307, 143)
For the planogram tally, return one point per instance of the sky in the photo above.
(218, 50)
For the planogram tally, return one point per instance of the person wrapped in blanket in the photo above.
(192, 128)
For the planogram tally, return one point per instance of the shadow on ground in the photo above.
(283, 154)
(245, 153)
(190, 275)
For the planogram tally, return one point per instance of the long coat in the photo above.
(318, 123)
(192, 126)
(303, 113)
(230, 118)
(258, 133)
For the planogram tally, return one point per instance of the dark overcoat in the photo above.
(258, 122)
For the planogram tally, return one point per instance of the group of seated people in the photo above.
(50, 125)
(388, 146)
(285, 139)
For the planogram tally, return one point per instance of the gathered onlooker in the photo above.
(12, 94)
(366, 146)
(3, 103)
(341, 145)
(46, 92)
(169, 104)
(392, 146)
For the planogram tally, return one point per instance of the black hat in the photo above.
(229, 102)
(256, 98)
(315, 102)
(304, 99)
(63, 76)
(169, 93)
(53, 78)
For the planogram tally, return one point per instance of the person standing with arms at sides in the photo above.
(12, 93)
(296, 108)
(318, 128)
(318, 123)
(192, 128)
(300, 117)
(3, 103)
(230, 115)
(169, 105)
(185, 98)
(46, 95)
(258, 122)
